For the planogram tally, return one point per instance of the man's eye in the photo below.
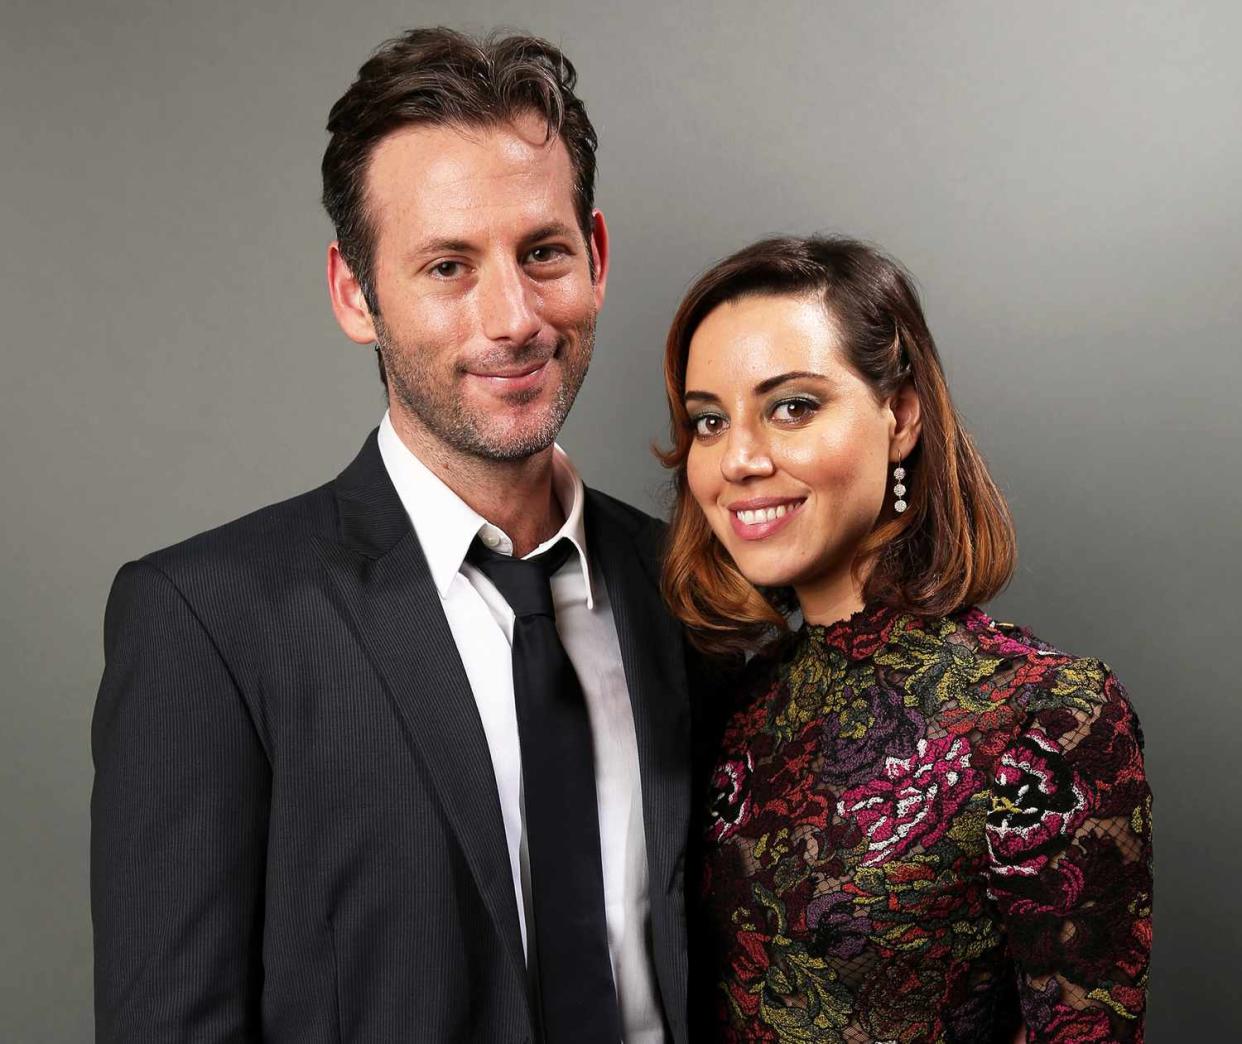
(446, 269)
(794, 410)
(708, 424)
(544, 254)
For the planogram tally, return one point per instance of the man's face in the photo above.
(483, 280)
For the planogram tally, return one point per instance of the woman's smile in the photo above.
(759, 518)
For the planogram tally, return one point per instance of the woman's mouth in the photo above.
(757, 519)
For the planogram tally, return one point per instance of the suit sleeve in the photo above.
(178, 828)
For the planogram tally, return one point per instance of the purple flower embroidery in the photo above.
(837, 932)
(872, 723)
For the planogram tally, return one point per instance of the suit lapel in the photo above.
(655, 673)
(387, 595)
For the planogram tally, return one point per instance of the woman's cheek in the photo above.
(825, 461)
(699, 478)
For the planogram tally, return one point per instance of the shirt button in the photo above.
(490, 538)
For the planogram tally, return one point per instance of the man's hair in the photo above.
(955, 544)
(439, 77)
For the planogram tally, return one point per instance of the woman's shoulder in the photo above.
(1036, 674)
(964, 666)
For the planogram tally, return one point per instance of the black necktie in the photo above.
(577, 998)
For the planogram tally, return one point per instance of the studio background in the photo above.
(1063, 179)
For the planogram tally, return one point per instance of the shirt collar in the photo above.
(445, 524)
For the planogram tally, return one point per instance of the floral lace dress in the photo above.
(926, 829)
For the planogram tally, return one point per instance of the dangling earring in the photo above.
(899, 491)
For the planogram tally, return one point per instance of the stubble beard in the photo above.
(437, 406)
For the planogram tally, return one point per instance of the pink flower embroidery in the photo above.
(1037, 804)
(915, 800)
(730, 796)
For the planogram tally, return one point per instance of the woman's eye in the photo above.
(707, 425)
(793, 410)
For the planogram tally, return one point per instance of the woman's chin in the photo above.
(765, 574)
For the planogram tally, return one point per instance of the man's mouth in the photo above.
(513, 378)
(513, 372)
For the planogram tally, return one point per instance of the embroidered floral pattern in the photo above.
(1036, 805)
(730, 796)
(870, 725)
(925, 830)
(914, 801)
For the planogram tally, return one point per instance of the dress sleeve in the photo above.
(1069, 839)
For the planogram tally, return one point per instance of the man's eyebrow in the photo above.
(430, 247)
(442, 246)
(551, 230)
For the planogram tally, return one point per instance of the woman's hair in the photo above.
(954, 546)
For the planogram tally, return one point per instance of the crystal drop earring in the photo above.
(899, 491)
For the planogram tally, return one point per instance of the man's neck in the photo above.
(517, 496)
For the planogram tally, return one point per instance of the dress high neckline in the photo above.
(857, 635)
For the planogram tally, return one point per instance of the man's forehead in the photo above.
(463, 167)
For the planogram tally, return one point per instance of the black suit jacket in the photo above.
(296, 834)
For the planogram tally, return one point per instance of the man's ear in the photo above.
(599, 256)
(349, 303)
(907, 422)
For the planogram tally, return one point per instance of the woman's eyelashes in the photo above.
(789, 412)
(707, 425)
(797, 409)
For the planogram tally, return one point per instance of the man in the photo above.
(352, 781)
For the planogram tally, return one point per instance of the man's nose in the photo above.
(746, 454)
(507, 305)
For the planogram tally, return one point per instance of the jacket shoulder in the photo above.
(606, 517)
(261, 539)
(618, 512)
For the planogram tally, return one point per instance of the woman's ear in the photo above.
(907, 421)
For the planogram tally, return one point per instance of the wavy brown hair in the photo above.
(953, 547)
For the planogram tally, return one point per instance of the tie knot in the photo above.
(525, 583)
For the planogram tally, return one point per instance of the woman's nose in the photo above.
(746, 455)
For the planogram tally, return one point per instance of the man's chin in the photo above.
(520, 434)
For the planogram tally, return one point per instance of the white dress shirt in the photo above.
(482, 626)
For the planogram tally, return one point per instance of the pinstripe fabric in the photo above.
(651, 651)
(295, 829)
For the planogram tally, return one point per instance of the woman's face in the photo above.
(792, 452)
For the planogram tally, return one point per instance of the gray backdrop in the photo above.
(1062, 178)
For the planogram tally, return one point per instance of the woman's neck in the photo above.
(831, 598)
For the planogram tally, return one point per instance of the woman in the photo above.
(921, 825)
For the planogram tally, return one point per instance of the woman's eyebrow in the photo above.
(763, 387)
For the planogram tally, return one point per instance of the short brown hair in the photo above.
(953, 547)
(440, 77)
